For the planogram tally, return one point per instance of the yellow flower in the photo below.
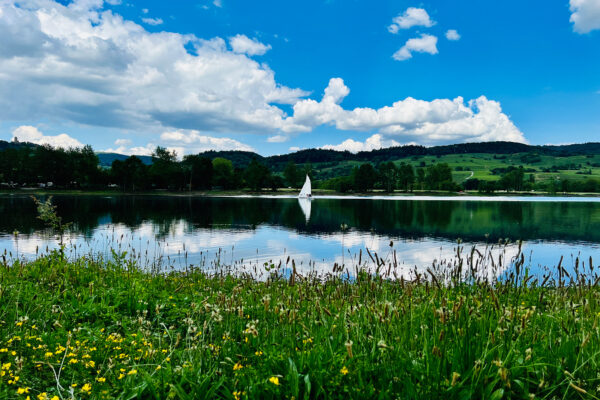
(42, 396)
(48, 354)
(86, 388)
(258, 353)
(3, 350)
(101, 379)
(344, 370)
(158, 367)
(19, 323)
(74, 385)
(22, 390)
(237, 366)
(132, 372)
(54, 398)
(274, 380)
(6, 366)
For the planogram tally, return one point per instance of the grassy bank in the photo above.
(102, 329)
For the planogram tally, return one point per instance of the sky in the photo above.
(278, 76)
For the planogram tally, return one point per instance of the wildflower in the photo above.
(455, 377)
(132, 372)
(258, 353)
(121, 376)
(74, 385)
(6, 366)
(48, 354)
(237, 366)
(158, 367)
(86, 388)
(3, 350)
(22, 390)
(42, 396)
(54, 398)
(274, 380)
(344, 370)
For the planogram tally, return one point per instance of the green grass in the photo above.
(482, 164)
(94, 328)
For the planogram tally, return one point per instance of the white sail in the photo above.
(305, 205)
(306, 189)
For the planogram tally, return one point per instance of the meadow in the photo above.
(101, 327)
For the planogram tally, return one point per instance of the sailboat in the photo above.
(306, 192)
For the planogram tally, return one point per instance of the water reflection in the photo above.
(251, 231)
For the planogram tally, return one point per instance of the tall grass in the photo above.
(92, 327)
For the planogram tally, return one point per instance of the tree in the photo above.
(364, 177)
(131, 174)
(257, 175)
(198, 171)
(165, 171)
(387, 175)
(291, 174)
(439, 177)
(406, 176)
(223, 173)
(514, 179)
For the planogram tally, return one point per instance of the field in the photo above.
(102, 328)
(482, 165)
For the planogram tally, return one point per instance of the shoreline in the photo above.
(326, 194)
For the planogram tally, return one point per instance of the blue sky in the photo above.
(231, 74)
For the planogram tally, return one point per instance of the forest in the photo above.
(483, 167)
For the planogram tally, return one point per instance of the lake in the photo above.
(246, 232)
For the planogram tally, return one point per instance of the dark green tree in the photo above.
(257, 175)
(291, 174)
(223, 174)
(364, 177)
(388, 175)
(406, 176)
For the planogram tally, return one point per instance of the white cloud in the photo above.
(278, 139)
(81, 63)
(372, 143)
(122, 142)
(31, 134)
(145, 10)
(153, 21)
(242, 44)
(452, 34)
(114, 2)
(428, 122)
(424, 44)
(585, 15)
(218, 3)
(411, 17)
(191, 141)
(294, 148)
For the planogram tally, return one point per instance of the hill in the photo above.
(106, 159)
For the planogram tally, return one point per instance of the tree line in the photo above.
(78, 168)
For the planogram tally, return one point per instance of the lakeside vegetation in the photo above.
(476, 167)
(100, 327)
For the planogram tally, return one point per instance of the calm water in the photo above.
(251, 231)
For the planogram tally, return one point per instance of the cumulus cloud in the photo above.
(82, 63)
(242, 44)
(411, 17)
(122, 142)
(427, 122)
(585, 15)
(424, 44)
(278, 139)
(31, 134)
(374, 142)
(218, 3)
(191, 141)
(452, 34)
(85, 64)
(153, 21)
